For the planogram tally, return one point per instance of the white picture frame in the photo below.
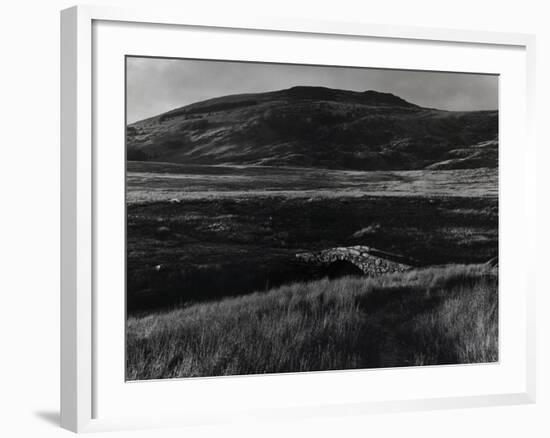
(80, 167)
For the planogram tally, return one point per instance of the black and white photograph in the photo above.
(286, 218)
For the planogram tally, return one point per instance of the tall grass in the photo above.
(444, 315)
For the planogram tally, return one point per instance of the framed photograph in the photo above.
(274, 219)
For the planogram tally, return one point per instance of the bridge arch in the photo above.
(342, 268)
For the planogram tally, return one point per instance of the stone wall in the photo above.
(370, 261)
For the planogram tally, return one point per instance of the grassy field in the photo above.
(437, 315)
(153, 182)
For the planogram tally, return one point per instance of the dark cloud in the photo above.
(157, 85)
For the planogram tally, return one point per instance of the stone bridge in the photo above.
(366, 260)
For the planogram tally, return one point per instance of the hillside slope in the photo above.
(317, 127)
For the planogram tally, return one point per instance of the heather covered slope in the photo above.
(317, 127)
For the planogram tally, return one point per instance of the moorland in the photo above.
(223, 194)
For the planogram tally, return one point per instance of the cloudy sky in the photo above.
(156, 85)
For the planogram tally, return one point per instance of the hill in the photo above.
(317, 127)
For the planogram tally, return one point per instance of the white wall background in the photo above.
(29, 216)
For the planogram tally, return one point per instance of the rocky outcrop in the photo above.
(370, 261)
